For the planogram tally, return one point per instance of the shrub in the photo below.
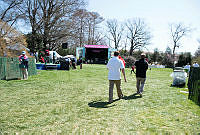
(130, 60)
(194, 85)
(167, 61)
(183, 59)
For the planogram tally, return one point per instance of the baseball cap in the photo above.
(23, 52)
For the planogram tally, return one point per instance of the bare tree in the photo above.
(10, 12)
(178, 31)
(31, 9)
(125, 43)
(138, 34)
(93, 20)
(54, 15)
(99, 38)
(85, 25)
(79, 22)
(50, 18)
(115, 30)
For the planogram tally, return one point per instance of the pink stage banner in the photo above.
(96, 46)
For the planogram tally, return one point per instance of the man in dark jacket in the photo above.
(141, 68)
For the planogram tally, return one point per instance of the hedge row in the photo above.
(194, 85)
(9, 68)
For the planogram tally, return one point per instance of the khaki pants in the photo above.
(111, 86)
(140, 84)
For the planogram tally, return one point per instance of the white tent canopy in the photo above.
(56, 55)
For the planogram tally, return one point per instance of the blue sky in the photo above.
(158, 14)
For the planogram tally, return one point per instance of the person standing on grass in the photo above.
(23, 59)
(115, 65)
(187, 67)
(132, 68)
(80, 61)
(141, 68)
(122, 61)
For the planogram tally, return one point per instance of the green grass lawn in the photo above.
(75, 102)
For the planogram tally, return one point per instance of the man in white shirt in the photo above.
(187, 67)
(115, 65)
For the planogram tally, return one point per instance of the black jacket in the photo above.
(141, 68)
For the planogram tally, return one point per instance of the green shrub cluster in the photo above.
(194, 85)
(130, 60)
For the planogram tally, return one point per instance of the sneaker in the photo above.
(140, 94)
(110, 102)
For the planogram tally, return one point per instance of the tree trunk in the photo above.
(131, 49)
(173, 55)
(45, 39)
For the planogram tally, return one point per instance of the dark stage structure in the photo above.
(96, 54)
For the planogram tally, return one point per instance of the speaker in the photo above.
(64, 45)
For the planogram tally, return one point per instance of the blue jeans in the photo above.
(140, 84)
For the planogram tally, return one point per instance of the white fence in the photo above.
(156, 66)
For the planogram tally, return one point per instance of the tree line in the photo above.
(54, 22)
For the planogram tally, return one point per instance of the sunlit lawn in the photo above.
(75, 102)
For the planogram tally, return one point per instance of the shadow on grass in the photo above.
(178, 86)
(101, 104)
(134, 96)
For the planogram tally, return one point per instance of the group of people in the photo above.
(23, 63)
(72, 62)
(116, 66)
(195, 64)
